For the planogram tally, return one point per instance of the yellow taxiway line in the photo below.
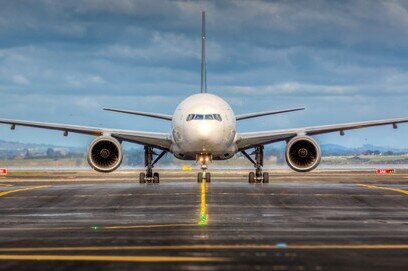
(21, 189)
(108, 258)
(203, 220)
(215, 247)
(402, 191)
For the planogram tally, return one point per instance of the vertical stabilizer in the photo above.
(203, 58)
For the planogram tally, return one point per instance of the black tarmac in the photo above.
(319, 221)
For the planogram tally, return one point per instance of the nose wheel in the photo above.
(203, 176)
(258, 176)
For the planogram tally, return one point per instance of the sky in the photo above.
(63, 61)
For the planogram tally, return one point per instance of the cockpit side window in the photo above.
(190, 117)
(217, 117)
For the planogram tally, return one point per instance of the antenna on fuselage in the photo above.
(203, 58)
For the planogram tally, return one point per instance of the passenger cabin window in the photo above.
(204, 117)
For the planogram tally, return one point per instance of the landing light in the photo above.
(203, 158)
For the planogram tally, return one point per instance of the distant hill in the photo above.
(335, 149)
(369, 147)
(17, 146)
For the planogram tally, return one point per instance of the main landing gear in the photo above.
(203, 176)
(258, 176)
(149, 176)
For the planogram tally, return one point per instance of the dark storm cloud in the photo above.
(264, 53)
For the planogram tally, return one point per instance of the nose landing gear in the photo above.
(258, 176)
(204, 175)
(149, 176)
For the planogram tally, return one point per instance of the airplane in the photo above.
(204, 130)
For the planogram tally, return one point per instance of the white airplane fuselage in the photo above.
(203, 124)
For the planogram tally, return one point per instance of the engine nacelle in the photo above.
(303, 153)
(105, 154)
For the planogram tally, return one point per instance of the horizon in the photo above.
(280, 145)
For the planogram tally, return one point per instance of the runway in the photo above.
(319, 221)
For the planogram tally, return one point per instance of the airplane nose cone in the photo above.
(204, 130)
(202, 135)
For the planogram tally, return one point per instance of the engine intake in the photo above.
(303, 153)
(105, 154)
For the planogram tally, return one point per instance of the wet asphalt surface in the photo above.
(296, 222)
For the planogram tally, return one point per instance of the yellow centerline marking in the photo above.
(385, 188)
(212, 247)
(203, 221)
(107, 258)
(21, 189)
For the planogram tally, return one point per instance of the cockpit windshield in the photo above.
(204, 117)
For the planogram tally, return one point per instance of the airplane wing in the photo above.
(159, 140)
(260, 114)
(249, 140)
(146, 114)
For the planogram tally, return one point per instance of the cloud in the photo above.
(63, 58)
(293, 88)
(20, 79)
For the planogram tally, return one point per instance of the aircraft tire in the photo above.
(156, 177)
(265, 177)
(142, 177)
(251, 177)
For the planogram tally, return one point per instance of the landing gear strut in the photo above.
(203, 175)
(257, 176)
(149, 176)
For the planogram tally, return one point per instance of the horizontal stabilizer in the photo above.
(260, 114)
(146, 114)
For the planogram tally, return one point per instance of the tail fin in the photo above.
(203, 58)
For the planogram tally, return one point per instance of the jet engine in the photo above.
(105, 154)
(303, 153)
